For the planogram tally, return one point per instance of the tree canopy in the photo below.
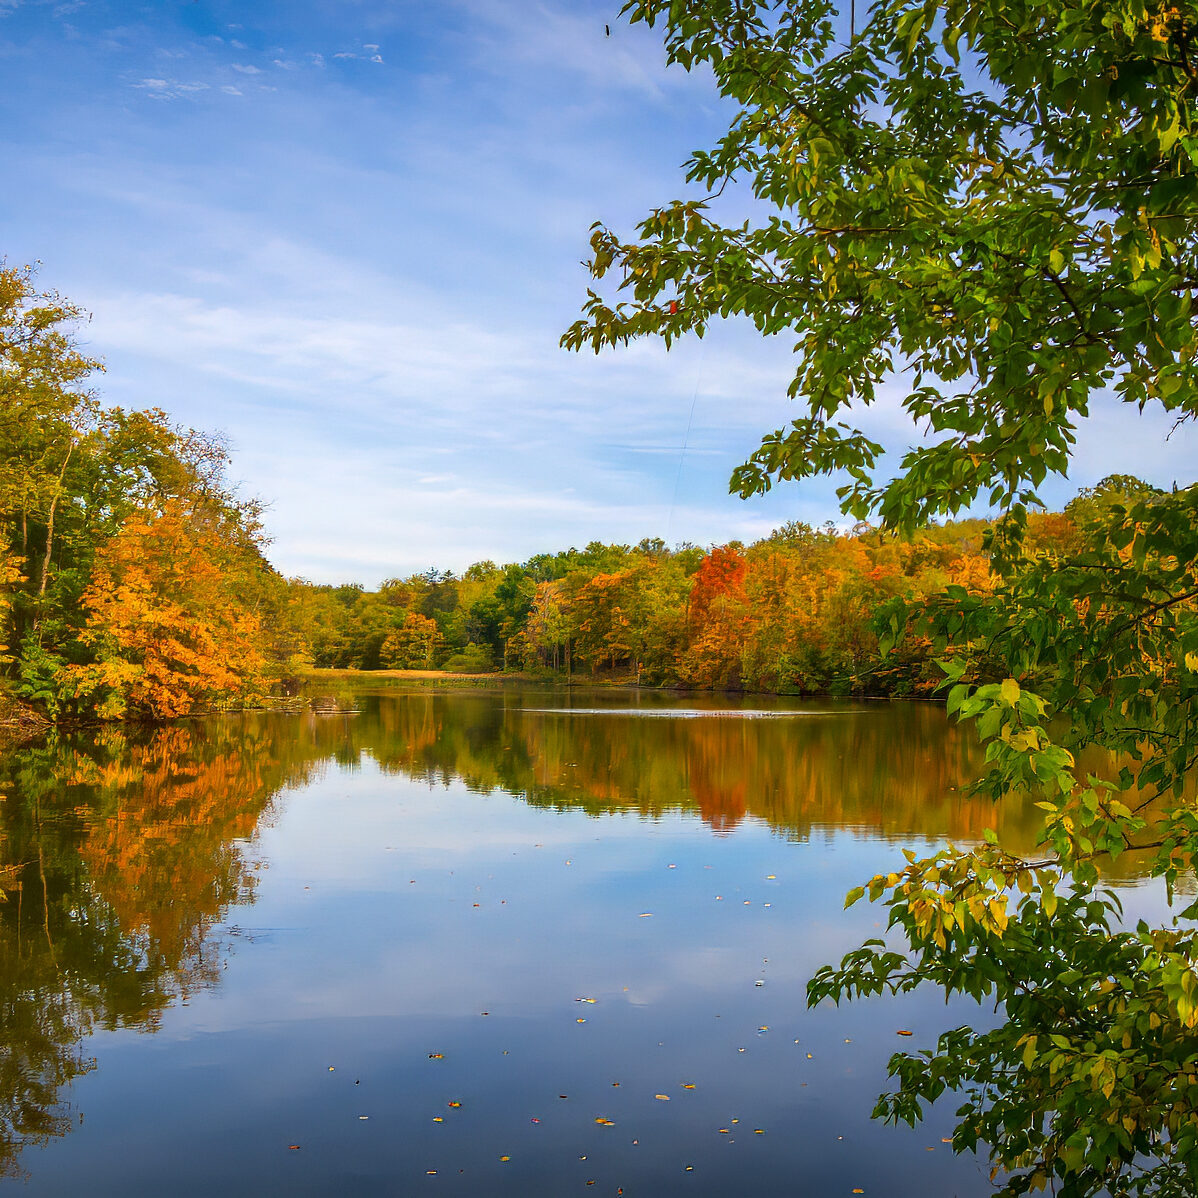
(988, 209)
(132, 581)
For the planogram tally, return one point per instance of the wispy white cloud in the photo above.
(371, 55)
(558, 38)
(170, 89)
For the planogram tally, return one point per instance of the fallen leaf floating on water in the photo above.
(436, 1056)
(292, 1147)
(605, 1122)
(363, 1116)
(580, 1021)
(759, 1131)
(455, 1104)
(505, 1158)
(438, 1119)
(688, 1085)
(645, 915)
(590, 1000)
(662, 1097)
(904, 1032)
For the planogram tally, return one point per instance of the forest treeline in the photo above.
(792, 612)
(134, 581)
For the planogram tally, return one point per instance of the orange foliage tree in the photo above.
(413, 645)
(167, 624)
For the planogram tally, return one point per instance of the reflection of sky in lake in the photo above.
(431, 942)
(365, 951)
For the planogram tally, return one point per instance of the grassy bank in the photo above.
(418, 678)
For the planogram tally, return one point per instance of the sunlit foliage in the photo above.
(132, 581)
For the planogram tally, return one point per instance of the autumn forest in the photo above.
(134, 581)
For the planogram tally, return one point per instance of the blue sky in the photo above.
(348, 234)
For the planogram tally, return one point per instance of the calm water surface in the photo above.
(469, 944)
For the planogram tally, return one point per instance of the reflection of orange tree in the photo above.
(167, 846)
(118, 856)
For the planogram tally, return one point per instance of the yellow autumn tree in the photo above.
(413, 645)
(167, 620)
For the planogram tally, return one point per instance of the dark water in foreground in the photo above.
(468, 944)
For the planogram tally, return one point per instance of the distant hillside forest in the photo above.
(134, 582)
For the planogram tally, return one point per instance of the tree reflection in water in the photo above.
(120, 855)
(123, 851)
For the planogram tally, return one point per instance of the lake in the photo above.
(471, 943)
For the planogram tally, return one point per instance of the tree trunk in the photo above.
(45, 574)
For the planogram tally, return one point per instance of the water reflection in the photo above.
(122, 853)
(119, 856)
(892, 770)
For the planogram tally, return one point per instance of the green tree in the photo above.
(989, 205)
(46, 411)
